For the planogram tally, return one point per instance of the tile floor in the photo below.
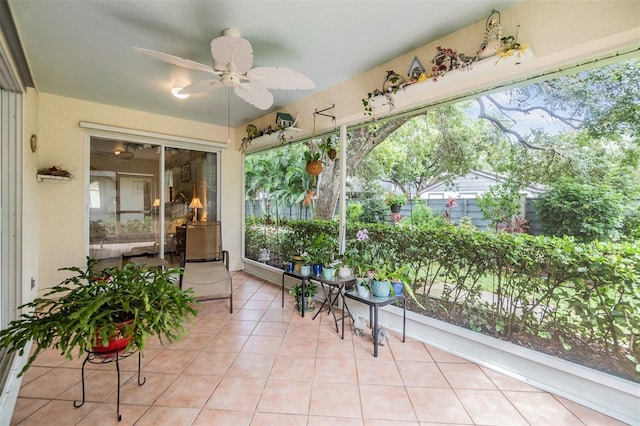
(265, 365)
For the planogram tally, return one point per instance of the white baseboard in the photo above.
(12, 387)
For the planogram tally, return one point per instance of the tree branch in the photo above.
(521, 140)
(569, 121)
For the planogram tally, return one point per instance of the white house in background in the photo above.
(466, 190)
(472, 185)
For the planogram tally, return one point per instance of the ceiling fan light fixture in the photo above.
(176, 92)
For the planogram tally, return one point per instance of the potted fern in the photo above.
(92, 310)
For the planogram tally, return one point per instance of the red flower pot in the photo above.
(116, 344)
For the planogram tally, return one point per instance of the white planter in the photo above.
(344, 272)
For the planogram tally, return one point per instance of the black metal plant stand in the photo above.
(106, 358)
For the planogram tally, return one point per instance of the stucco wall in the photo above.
(560, 34)
(62, 206)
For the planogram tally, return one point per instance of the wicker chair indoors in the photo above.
(206, 265)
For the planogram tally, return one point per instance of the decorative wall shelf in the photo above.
(274, 137)
(41, 178)
(479, 73)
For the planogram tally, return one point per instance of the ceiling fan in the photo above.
(232, 66)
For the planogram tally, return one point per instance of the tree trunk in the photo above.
(361, 142)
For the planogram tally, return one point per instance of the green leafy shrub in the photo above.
(586, 212)
(354, 211)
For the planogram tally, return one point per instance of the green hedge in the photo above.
(509, 283)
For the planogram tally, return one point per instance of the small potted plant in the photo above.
(91, 307)
(380, 280)
(329, 145)
(314, 162)
(304, 300)
(326, 249)
(305, 263)
(395, 201)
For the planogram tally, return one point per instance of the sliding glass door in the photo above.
(141, 195)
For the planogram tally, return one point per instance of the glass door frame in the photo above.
(142, 137)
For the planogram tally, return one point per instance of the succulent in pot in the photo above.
(90, 307)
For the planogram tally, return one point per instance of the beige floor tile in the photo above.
(33, 373)
(154, 385)
(211, 363)
(335, 348)
(386, 403)
(588, 416)
(248, 315)
(105, 415)
(59, 413)
(378, 372)
(188, 391)
(334, 421)
(262, 345)
(226, 342)
(409, 351)
(335, 399)
(270, 329)
(51, 384)
(293, 368)
(278, 315)
(336, 370)
(504, 382)
(98, 384)
(155, 416)
(240, 327)
(541, 409)
(422, 374)
(304, 330)
(192, 342)
(295, 346)
(25, 407)
(363, 348)
(271, 419)
(378, 422)
(465, 376)
(170, 361)
(489, 407)
(252, 365)
(257, 304)
(237, 393)
(263, 295)
(439, 355)
(437, 405)
(285, 396)
(49, 358)
(223, 417)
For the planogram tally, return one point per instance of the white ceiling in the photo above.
(82, 48)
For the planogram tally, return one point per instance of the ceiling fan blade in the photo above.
(279, 78)
(175, 60)
(259, 97)
(201, 86)
(231, 50)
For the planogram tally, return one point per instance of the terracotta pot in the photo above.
(314, 168)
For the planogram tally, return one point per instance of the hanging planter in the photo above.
(314, 167)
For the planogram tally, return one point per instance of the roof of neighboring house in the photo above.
(474, 183)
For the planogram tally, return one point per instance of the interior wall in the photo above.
(560, 33)
(63, 205)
